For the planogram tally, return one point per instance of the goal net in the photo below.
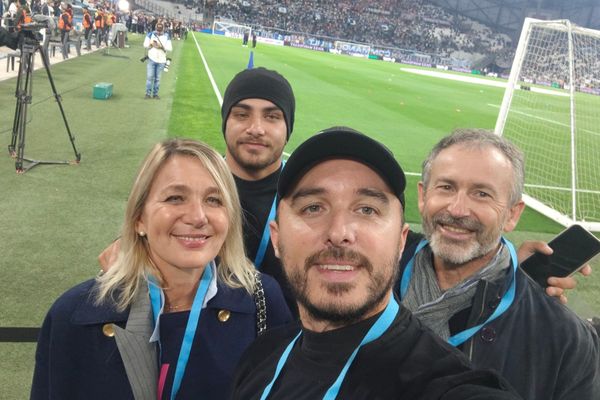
(353, 49)
(231, 29)
(551, 110)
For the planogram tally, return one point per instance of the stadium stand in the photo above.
(406, 24)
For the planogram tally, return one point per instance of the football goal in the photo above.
(353, 49)
(231, 29)
(551, 110)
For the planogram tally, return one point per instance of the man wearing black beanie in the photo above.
(258, 119)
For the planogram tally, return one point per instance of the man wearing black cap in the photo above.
(340, 233)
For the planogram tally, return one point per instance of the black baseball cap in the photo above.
(342, 142)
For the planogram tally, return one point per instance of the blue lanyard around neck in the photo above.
(264, 240)
(156, 299)
(505, 302)
(379, 327)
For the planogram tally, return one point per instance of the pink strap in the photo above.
(161, 380)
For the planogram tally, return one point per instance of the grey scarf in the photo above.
(435, 307)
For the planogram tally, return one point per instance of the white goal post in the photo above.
(231, 29)
(551, 110)
(353, 49)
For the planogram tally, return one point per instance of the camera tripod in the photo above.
(23, 93)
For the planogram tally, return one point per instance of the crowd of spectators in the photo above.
(406, 24)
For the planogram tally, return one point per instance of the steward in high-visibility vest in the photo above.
(99, 19)
(70, 12)
(87, 19)
(65, 22)
(22, 17)
(110, 19)
(88, 24)
(99, 24)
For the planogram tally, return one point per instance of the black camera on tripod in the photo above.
(28, 33)
(27, 40)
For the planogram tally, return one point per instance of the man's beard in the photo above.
(458, 252)
(253, 163)
(377, 288)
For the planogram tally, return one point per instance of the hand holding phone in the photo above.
(573, 248)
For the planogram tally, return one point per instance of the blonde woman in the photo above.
(172, 317)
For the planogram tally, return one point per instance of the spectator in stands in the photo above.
(173, 316)
(158, 44)
(462, 279)
(408, 25)
(340, 233)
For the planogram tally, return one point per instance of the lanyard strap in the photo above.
(379, 327)
(156, 298)
(266, 236)
(505, 302)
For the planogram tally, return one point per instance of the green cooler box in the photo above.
(103, 90)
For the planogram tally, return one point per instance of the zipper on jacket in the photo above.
(483, 303)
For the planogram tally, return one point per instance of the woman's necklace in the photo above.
(178, 307)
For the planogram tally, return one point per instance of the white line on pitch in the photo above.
(546, 120)
(210, 75)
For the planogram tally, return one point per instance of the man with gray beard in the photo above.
(462, 279)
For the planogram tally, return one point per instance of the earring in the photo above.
(142, 234)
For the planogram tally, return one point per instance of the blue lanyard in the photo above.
(379, 327)
(264, 240)
(156, 296)
(505, 302)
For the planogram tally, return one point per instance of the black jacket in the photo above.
(256, 198)
(406, 362)
(541, 347)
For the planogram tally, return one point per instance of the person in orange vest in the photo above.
(99, 23)
(109, 23)
(22, 16)
(105, 26)
(87, 25)
(70, 12)
(65, 24)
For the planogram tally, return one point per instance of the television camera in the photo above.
(27, 42)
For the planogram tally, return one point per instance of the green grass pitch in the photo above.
(57, 219)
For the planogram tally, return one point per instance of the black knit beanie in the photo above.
(260, 83)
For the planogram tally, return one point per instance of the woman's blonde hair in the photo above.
(133, 265)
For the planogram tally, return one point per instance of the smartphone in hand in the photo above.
(573, 248)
